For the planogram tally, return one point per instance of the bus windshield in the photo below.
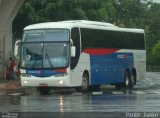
(37, 53)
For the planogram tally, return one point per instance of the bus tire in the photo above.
(85, 83)
(127, 80)
(133, 81)
(43, 90)
(134, 76)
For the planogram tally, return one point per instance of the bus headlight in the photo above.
(61, 75)
(25, 82)
(61, 82)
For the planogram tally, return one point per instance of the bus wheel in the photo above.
(134, 76)
(85, 83)
(127, 79)
(43, 90)
(133, 81)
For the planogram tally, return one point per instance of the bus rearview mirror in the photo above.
(73, 51)
(16, 49)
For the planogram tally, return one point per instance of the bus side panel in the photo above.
(140, 63)
(109, 68)
(77, 73)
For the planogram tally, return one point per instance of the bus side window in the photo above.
(76, 42)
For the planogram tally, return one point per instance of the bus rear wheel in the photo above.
(43, 90)
(133, 80)
(127, 79)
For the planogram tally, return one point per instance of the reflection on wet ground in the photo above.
(140, 99)
(111, 101)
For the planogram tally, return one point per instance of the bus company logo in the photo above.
(122, 56)
(34, 72)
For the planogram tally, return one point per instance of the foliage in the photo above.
(124, 13)
(155, 52)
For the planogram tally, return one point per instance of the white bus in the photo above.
(81, 54)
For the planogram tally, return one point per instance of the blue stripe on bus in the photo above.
(109, 68)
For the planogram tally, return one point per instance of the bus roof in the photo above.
(82, 24)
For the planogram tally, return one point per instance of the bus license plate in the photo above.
(43, 84)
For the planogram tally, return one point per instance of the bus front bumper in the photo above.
(45, 81)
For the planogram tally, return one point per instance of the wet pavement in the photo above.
(110, 103)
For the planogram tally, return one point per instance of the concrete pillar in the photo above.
(8, 11)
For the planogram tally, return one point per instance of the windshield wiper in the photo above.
(49, 60)
(34, 63)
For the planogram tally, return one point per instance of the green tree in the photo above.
(124, 13)
(35, 11)
(153, 32)
(130, 13)
(155, 52)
